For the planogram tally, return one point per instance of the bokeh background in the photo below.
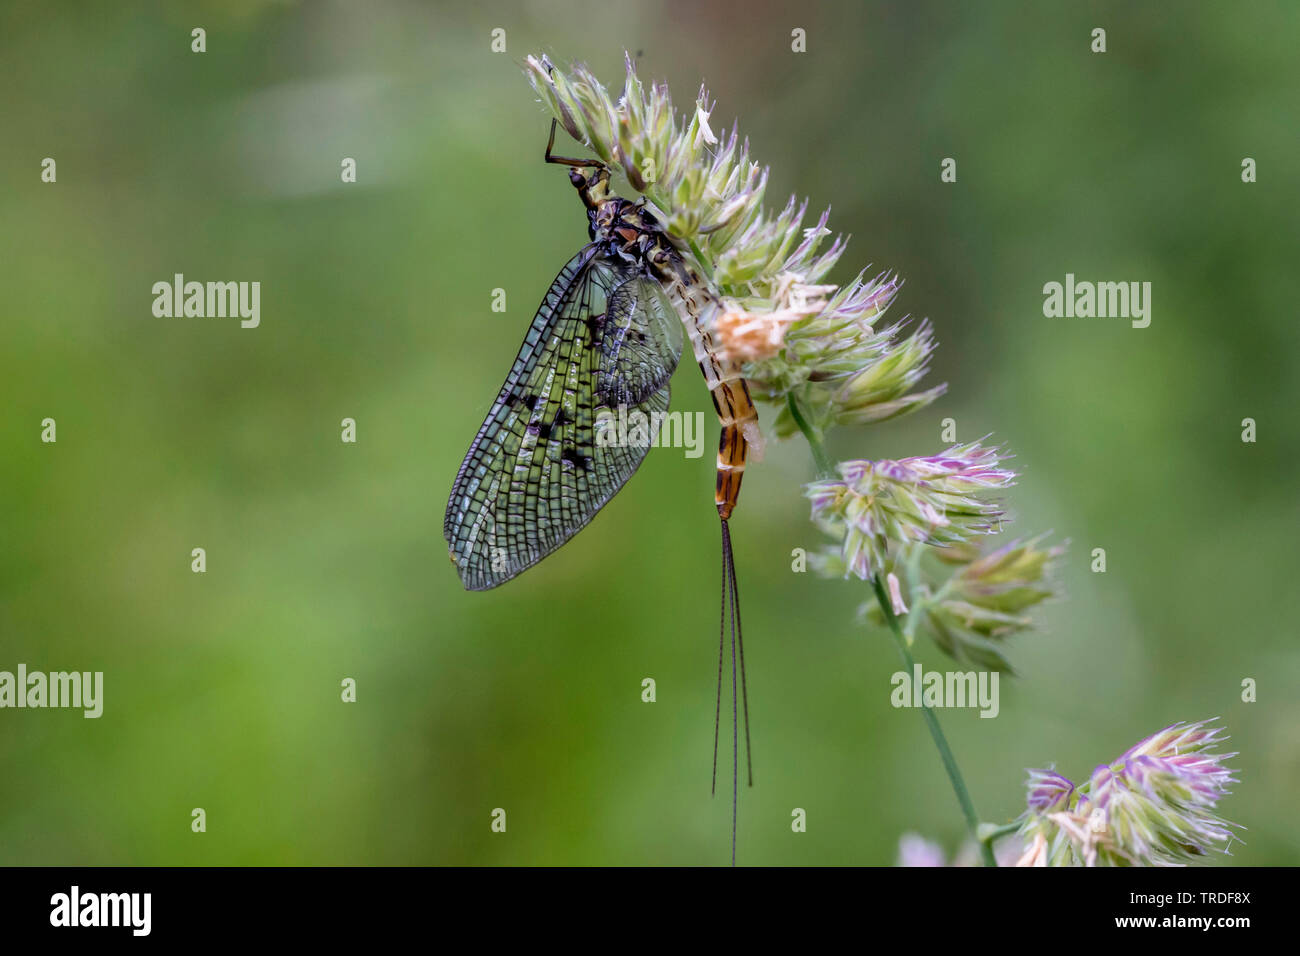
(326, 560)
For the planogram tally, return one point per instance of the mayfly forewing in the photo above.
(536, 474)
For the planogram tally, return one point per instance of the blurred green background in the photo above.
(326, 560)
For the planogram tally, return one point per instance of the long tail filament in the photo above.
(731, 614)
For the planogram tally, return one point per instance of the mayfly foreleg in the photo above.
(563, 160)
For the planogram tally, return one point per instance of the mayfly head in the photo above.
(592, 183)
(589, 176)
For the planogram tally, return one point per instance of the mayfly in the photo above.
(608, 334)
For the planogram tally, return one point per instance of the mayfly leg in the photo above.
(562, 160)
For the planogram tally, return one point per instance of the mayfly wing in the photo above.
(640, 343)
(539, 469)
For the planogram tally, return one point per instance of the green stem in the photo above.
(936, 732)
(824, 470)
(823, 462)
(990, 834)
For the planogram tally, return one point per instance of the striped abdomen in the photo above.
(730, 392)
